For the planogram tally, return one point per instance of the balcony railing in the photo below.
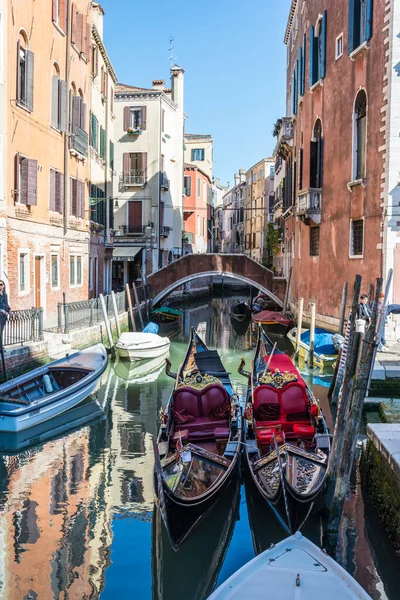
(131, 230)
(134, 177)
(164, 181)
(309, 204)
(286, 131)
(165, 230)
(78, 140)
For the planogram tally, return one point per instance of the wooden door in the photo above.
(38, 296)
(135, 217)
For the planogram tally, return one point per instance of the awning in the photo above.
(127, 253)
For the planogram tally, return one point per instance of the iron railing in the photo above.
(23, 326)
(165, 230)
(79, 140)
(134, 177)
(164, 181)
(132, 229)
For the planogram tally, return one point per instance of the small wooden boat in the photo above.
(286, 439)
(273, 321)
(166, 313)
(199, 441)
(240, 311)
(292, 569)
(50, 390)
(259, 303)
(140, 346)
(198, 561)
(325, 352)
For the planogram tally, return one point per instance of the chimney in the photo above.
(242, 175)
(177, 85)
(237, 178)
(97, 18)
(158, 84)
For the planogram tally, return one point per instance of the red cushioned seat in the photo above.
(303, 431)
(221, 433)
(187, 398)
(266, 436)
(212, 396)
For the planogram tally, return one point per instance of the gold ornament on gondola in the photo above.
(277, 379)
(197, 381)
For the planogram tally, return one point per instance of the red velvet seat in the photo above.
(221, 433)
(266, 436)
(303, 431)
(200, 404)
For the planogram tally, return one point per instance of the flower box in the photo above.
(131, 131)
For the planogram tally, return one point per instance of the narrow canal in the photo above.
(76, 501)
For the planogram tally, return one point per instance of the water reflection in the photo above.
(76, 497)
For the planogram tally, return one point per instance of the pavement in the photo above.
(387, 364)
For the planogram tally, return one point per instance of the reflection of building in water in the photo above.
(55, 522)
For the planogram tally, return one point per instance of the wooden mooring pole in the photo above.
(138, 304)
(116, 315)
(287, 292)
(130, 307)
(107, 323)
(312, 336)
(299, 323)
(352, 425)
(343, 312)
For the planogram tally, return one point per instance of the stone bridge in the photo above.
(236, 266)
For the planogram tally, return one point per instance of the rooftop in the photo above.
(194, 136)
(191, 167)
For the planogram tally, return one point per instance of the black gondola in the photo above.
(286, 439)
(240, 311)
(199, 440)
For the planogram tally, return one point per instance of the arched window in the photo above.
(55, 97)
(316, 156)
(25, 62)
(360, 135)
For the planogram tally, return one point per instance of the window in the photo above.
(360, 23)
(55, 270)
(198, 187)
(135, 168)
(316, 156)
(90, 273)
(204, 226)
(23, 271)
(314, 241)
(25, 65)
(93, 132)
(111, 155)
(77, 195)
(339, 46)
(357, 238)
(80, 32)
(75, 270)
(103, 143)
(78, 116)
(25, 180)
(271, 171)
(59, 14)
(317, 53)
(262, 174)
(56, 191)
(360, 135)
(135, 117)
(95, 61)
(59, 101)
(254, 177)
(197, 154)
(104, 82)
(187, 185)
(112, 100)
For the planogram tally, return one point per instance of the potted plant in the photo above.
(132, 131)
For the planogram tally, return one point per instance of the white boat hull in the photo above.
(294, 569)
(141, 346)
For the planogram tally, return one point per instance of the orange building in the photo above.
(196, 209)
(47, 188)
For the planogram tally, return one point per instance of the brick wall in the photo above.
(21, 359)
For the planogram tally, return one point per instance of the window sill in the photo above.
(357, 51)
(356, 256)
(55, 129)
(59, 29)
(316, 85)
(23, 106)
(77, 155)
(355, 183)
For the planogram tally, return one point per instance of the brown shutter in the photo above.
(18, 72)
(76, 110)
(63, 110)
(29, 71)
(126, 163)
(106, 84)
(55, 102)
(86, 40)
(127, 117)
(16, 178)
(23, 182)
(73, 195)
(54, 14)
(52, 189)
(79, 31)
(31, 199)
(59, 192)
(144, 163)
(135, 216)
(63, 15)
(73, 24)
(144, 115)
(82, 199)
(83, 116)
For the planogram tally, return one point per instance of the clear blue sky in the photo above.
(234, 60)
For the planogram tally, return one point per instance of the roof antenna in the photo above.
(172, 57)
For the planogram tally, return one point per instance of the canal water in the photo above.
(76, 501)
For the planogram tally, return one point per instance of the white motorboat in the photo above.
(50, 390)
(294, 569)
(140, 346)
(141, 371)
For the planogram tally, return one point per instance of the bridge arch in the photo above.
(241, 278)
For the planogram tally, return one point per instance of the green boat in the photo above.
(167, 313)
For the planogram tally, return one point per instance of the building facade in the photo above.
(47, 191)
(3, 141)
(198, 150)
(101, 160)
(148, 211)
(259, 187)
(196, 209)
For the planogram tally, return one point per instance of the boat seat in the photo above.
(221, 433)
(303, 431)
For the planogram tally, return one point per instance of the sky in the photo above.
(234, 60)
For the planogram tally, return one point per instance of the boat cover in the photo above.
(167, 310)
(267, 316)
(323, 343)
(151, 328)
(283, 363)
(209, 361)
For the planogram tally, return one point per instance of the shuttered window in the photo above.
(80, 32)
(77, 198)
(111, 155)
(314, 241)
(25, 76)
(135, 117)
(103, 143)
(78, 112)
(59, 13)
(25, 180)
(317, 51)
(197, 154)
(56, 191)
(187, 186)
(93, 131)
(59, 104)
(360, 19)
(360, 118)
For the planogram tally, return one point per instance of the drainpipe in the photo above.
(66, 133)
(108, 200)
(158, 223)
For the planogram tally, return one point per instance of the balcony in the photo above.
(164, 182)
(133, 177)
(285, 138)
(309, 205)
(165, 230)
(130, 230)
(79, 141)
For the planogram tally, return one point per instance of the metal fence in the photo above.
(76, 315)
(23, 326)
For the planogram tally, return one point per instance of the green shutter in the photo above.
(111, 155)
(368, 27)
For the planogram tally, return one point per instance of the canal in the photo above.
(76, 501)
